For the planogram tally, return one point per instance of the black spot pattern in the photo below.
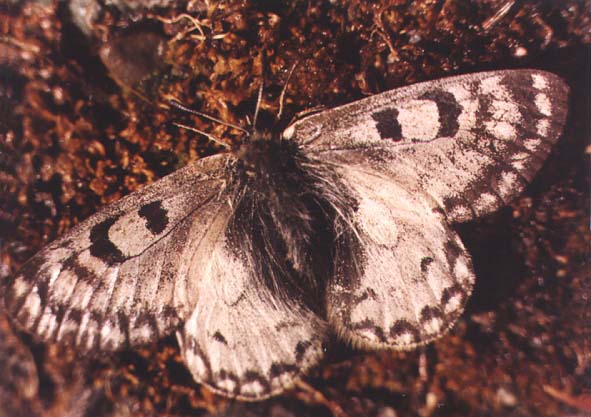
(224, 375)
(82, 272)
(101, 247)
(370, 326)
(429, 313)
(143, 321)
(30, 270)
(387, 124)
(123, 322)
(217, 336)
(284, 325)
(155, 215)
(523, 94)
(278, 369)
(425, 262)
(449, 110)
(452, 252)
(301, 349)
(253, 376)
(451, 292)
(43, 290)
(266, 380)
(402, 327)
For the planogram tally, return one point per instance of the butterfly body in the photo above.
(344, 224)
(285, 214)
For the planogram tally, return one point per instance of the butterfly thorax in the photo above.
(286, 206)
(263, 155)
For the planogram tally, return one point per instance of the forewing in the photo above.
(120, 277)
(241, 340)
(410, 275)
(471, 142)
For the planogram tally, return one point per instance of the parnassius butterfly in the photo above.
(342, 225)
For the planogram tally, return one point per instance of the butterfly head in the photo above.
(263, 155)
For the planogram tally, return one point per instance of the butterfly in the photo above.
(342, 225)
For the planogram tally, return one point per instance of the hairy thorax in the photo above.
(288, 205)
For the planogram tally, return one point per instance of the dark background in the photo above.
(84, 87)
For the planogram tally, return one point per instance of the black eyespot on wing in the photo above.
(155, 215)
(387, 124)
(449, 110)
(101, 247)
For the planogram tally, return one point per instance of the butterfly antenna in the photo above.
(209, 136)
(179, 106)
(258, 106)
(284, 90)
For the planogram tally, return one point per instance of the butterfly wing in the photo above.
(410, 275)
(418, 159)
(120, 277)
(242, 340)
(471, 142)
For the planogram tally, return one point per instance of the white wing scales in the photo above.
(472, 142)
(96, 286)
(241, 340)
(414, 275)
(418, 159)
